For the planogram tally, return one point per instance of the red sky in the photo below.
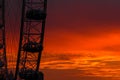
(73, 26)
(87, 27)
(82, 26)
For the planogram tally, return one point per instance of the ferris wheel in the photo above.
(33, 21)
(3, 60)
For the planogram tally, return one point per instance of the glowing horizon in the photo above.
(80, 37)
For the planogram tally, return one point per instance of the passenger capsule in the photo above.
(1, 64)
(1, 46)
(1, 26)
(2, 77)
(28, 74)
(41, 76)
(35, 14)
(0, 6)
(32, 47)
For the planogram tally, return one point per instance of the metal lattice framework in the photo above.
(3, 61)
(31, 39)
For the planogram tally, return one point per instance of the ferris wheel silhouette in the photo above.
(32, 27)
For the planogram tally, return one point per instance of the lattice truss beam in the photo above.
(31, 38)
(3, 61)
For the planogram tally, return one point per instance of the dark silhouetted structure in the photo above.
(31, 40)
(3, 61)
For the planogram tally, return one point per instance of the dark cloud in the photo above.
(62, 62)
(60, 56)
(113, 64)
(114, 48)
(84, 16)
(70, 74)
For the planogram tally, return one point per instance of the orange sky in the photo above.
(86, 27)
(83, 26)
(73, 26)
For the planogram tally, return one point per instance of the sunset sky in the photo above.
(80, 37)
(82, 25)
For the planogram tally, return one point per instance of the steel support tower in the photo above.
(3, 61)
(33, 20)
